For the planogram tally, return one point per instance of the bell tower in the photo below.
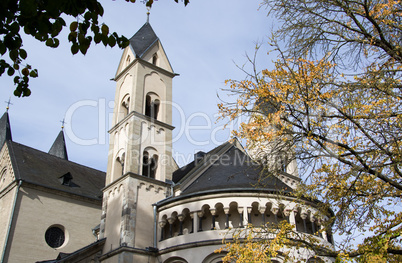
(140, 163)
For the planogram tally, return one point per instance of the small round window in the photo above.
(55, 236)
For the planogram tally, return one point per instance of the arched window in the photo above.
(3, 176)
(149, 164)
(128, 60)
(155, 59)
(152, 104)
(119, 164)
(124, 107)
(315, 260)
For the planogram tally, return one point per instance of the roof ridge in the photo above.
(204, 164)
(53, 156)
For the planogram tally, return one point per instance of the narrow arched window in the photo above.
(148, 105)
(149, 164)
(155, 59)
(155, 109)
(152, 106)
(128, 60)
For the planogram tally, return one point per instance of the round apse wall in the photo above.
(55, 236)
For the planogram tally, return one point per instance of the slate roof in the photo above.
(143, 40)
(43, 169)
(5, 130)
(226, 168)
(59, 148)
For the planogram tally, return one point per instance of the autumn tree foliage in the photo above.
(333, 98)
(44, 20)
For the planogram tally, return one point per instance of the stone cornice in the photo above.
(135, 176)
(143, 117)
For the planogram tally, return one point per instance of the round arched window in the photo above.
(55, 236)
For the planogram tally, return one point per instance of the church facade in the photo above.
(145, 208)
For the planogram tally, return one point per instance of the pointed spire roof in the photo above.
(5, 130)
(143, 40)
(59, 148)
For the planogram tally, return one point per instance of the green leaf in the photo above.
(56, 42)
(81, 38)
(17, 93)
(10, 71)
(73, 26)
(105, 40)
(13, 54)
(105, 30)
(49, 42)
(27, 92)
(23, 54)
(25, 71)
(97, 38)
(33, 73)
(3, 48)
(74, 48)
(112, 41)
(72, 37)
(83, 49)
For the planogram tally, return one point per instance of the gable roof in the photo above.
(144, 39)
(46, 170)
(226, 168)
(5, 129)
(59, 148)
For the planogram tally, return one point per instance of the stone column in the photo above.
(322, 228)
(213, 213)
(226, 210)
(162, 225)
(192, 221)
(262, 212)
(171, 221)
(303, 216)
(274, 211)
(249, 209)
(181, 219)
(241, 216)
(312, 220)
(286, 213)
(292, 218)
(200, 214)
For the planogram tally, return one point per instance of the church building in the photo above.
(145, 208)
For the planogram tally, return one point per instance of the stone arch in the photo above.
(187, 224)
(155, 59)
(175, 260)
(123, 107)
(155, 88)
(315, 260)
(205, 220)
(214, 257)
(150, 158)
(236, 218)
(152, 105)
(119, 163)
(255, 214)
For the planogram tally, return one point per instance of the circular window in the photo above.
(55, 236)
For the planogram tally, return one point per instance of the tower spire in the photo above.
(148, 13)
(5, 130)
(59, 148)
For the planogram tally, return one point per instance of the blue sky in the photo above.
(203, 42)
